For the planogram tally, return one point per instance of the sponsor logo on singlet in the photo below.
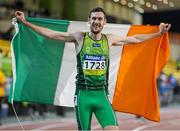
(96, 45)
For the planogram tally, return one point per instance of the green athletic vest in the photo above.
(93, 63)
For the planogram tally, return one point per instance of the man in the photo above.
(92, 50)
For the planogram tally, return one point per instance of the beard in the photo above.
(96, 28)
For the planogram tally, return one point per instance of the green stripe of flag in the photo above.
(37, 62)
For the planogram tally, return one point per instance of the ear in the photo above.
(88, 20)
(105, 21)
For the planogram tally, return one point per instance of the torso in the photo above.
(92, 62)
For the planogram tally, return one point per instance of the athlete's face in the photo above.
(97, 22)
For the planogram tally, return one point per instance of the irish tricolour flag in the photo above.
(44, 70)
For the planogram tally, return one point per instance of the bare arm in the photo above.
(62, 36)
(118, 41)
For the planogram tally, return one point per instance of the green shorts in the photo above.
(88, 102)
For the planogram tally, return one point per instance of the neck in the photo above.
(95, 36)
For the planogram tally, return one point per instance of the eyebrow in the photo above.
(96, 17)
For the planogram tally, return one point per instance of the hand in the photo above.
(163, 28)
(20, 16)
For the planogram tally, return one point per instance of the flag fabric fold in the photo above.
(44, 70)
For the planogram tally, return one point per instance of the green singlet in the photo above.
(92, 84)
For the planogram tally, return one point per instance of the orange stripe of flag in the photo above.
(136, 89)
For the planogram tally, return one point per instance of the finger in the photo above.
(18, 13)
(169, 26)
(165, 25)
(161, 23)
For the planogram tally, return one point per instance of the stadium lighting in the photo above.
(165, 2)
(154, 7)
(123, 2)
(116, 0)
(141, 2)
(130, 5)
(148, 4)
(171, 4)
(135, 0)
(141, 10)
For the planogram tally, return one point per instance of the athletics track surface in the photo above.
(170, 120)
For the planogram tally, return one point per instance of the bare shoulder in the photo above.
(78, 36)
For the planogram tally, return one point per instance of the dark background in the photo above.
(172, 17)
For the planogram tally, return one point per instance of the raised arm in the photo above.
(62, 36)
(118, 40)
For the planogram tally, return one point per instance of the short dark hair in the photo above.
(97, 9)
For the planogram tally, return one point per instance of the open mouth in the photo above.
(96, 25)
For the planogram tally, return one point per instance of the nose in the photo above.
(96, 21)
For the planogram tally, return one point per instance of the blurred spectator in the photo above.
(166, 88)
(177, 92)
(178, 64)
(8, 85)
(2, 82)
(7, 35)
(177, 89)
(172, 81)
(0, 58)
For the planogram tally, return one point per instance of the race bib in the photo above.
(94, 65)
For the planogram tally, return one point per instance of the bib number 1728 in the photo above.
(94, 65)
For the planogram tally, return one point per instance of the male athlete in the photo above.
(92, 50)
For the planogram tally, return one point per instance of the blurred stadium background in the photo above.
(151, 12)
